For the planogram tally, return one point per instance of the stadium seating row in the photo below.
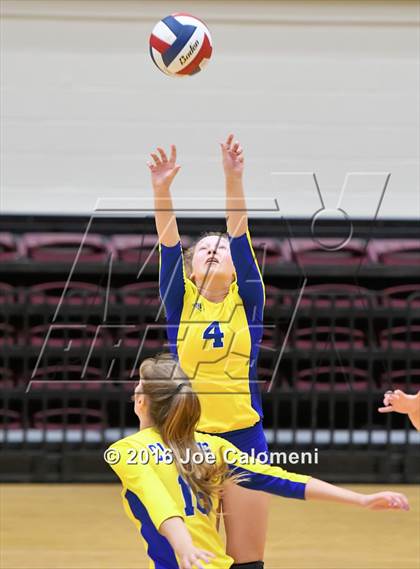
(147, 294)
(91, 248)
(153, 336)
(320, 378)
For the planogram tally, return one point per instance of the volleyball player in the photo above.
(400, 402)
(172, 498)
(214, 309)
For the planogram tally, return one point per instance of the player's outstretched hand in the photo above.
(400, 402)
(192, 558)
(163, 169)
(233, 159)
(386, 501)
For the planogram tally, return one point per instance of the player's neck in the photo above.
(145, 422)
(214, 294)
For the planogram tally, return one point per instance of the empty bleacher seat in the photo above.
(6, 378)
(152, 336)
(331, 295)
(69, 417)
(332, 378)
(68, 377)
(76, 293)
(273, 296)
(404, 379)
(143, 294)
(402, 296)
(395, 252)
(267, 250)
(136, 248)
(310, 252)
(59, 335)
(65, 247)
(10, 419)
(400, 337)
(9, 249)
(329, 337)
(128, 381)
(7, 335)
(7, 294)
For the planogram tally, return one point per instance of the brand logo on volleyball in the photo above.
(189, 53)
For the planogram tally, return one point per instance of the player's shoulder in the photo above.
(140, 438)
(213, 441)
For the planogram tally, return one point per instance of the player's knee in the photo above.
(250, 565)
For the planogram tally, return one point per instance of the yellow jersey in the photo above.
(153, 491)
(217, 343)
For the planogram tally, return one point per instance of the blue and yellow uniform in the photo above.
(217, 344)
(154, 492)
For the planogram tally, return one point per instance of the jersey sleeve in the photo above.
(248, 275)
(144, 482)
(257, 475)
(171, 277)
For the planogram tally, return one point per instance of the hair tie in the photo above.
(178, 388)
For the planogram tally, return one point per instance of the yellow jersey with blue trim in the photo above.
(153, 491)
(217, 343)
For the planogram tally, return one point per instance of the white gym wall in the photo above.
(324, 87)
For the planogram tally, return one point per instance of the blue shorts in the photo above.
(247, 439)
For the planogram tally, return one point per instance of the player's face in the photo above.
(212, 258)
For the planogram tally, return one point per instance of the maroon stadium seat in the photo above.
(395, 252)
(10, 419)
(6, 378)
(144, 294)
(400, 337)
(64, 247)
(329, 337)
(265, 376)
(342, 379)
(310, 252)
(272, 248)
(128, 383)
(273, 296)
(7, 335)
(9, 250)
(269, 338)
(68, 377)
(136, 248)
(7, 294)
(77, 293)
(61, 334)
(401, 379)
(69, 417)
(402, 296)
(154, 336)
(333, 295)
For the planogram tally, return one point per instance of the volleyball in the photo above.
(180, 45)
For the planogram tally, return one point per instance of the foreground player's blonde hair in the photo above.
(175, 410)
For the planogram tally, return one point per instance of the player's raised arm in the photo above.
(233, 166)
(163, 170)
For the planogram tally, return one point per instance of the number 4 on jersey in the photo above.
(213, 332)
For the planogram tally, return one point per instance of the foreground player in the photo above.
(400, 402)
(214, 309)
(171, 485)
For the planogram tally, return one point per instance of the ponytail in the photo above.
(175, 410)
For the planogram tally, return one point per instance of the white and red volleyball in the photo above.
(180, 45)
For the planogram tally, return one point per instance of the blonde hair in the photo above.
(189, 253)
(175, 410)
